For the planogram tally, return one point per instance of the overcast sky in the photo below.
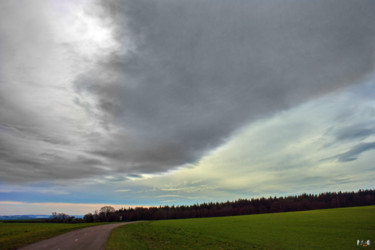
(141, 102)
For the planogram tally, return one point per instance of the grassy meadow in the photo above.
(14, 235)
(317, 229)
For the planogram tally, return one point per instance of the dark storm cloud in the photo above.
(196, 71)
(187, 74)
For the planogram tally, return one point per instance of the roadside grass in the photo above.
(317, 229)
(15, 235)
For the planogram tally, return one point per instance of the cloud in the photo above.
(43, 132)
(197, 72)
(354, 153)
(47, 190)
(279, 155)
(351, 133)
(122, 190)
(166, 83)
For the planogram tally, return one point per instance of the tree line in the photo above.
(238, 207)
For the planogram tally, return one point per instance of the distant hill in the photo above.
(29, 217)
(23, 217)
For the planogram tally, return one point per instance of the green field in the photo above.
(14, 235)
(317, 229)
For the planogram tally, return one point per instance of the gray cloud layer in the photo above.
(203, 69)
(191, 72)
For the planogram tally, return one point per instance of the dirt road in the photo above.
(93, 238)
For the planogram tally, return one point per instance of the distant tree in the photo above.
(61, 217)
(106, 213)
(107, 209)
(88, 217)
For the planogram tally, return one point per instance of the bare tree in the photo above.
(107, 210)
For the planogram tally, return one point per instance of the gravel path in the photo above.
(93, 238)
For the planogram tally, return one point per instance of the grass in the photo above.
(317, 229)
(15, 235)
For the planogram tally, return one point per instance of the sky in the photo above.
(165, 102)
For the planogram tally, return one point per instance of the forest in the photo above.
(238, 207)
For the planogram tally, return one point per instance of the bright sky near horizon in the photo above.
(141, 102)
